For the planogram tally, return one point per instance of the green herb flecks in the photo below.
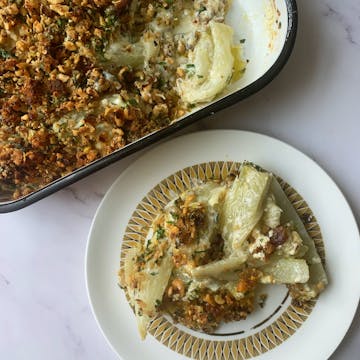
(148, 243)
(190, 69)
(194, 294)
(169, 2)
(111, 18)
(200, 251)
(161, 83)
(99, 46)
(160, 233)
(202, 8)
(61, 22)
(133, 102)
(4, 54)
(174, 215)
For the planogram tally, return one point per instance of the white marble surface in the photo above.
(313, 105)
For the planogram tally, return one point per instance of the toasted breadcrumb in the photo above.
(57, 113)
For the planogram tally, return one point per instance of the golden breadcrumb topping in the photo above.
(74, 87)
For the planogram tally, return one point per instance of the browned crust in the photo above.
(51, 65)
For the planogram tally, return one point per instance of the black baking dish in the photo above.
(267, 51)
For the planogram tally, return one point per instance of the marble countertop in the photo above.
(313, 105)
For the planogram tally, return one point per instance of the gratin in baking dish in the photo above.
(265, 30)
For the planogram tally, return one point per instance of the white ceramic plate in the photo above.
(335, 307)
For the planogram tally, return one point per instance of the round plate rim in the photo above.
(241, 135)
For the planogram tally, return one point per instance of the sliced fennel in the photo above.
(285, 271)
(146, 287)
(318, 278)
(122, 52)
(213, 63)
(216, 269)
(243, 206)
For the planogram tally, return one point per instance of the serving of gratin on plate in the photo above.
(221, 254)
(209, 249)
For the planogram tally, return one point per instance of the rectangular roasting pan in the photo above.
(269, 28)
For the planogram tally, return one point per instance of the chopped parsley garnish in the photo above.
(190, 69)
(61, 22)
(200, 251)
(161, 83)
(194, 294)
(242, 41)
(148, 252)
(110, 18)
(133, 102)
(98, 45)
(202, 8)
(160, 233)
(4, 54)
(174, 215)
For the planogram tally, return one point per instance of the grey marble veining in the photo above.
(348, 21)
